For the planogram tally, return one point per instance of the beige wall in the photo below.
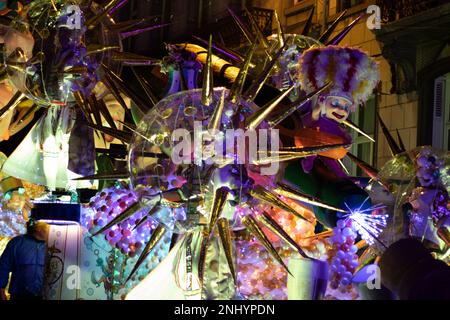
(398, 111)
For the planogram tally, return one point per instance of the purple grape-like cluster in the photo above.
(107, 205)
(344, 259)
(428, 168)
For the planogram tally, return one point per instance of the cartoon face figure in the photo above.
(335, 108)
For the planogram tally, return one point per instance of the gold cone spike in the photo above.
(219, 202)
(95, 20)
(324, 37)
(241, 26)
(135, 207)
(341, 35)
(238, 85)
(223, 227)
(208, 85)
(250, 222)
(259, 33)
(280, 34)
(353, 126)
(76, 70)
(257, 84)
(139, 30)
(273, 226)
(400, 141)
(261, 114)
(101, 105)
(98, 48)
(83, 104)
(131, 59)
(93, 108)
(151, 212)
(109, 84)
(121, 86)
(146, 86)
(157, 235)
(393, 146)
(272, 199)
(286, 191)
(214, 122)
(106, 176)
(14, 102)
(298, 105)
(287, 155)
(308, 23)
(369, 170)
(121, 135)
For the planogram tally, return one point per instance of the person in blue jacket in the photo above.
(24, 257)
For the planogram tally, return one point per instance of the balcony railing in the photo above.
(392, 10)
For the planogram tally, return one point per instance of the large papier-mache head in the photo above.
(354, 73)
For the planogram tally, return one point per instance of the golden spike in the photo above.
(95, 20)
(17, 98)
(220, 198)
(238, 85)
(341, 35)
(208, 85)
(83, 104)
(393, 146)
(280, 34)
(353, 126)
(223, 227)
(107, 81)
(101, 105)
(291, 193)
(369, 170)
(120, 85)
(76, 70)
(257, 29)
(293, 155)
(139, 30)
(273, 226)
(400, 141)
(324, 37)
(233, 55)
(261, 114)
(135, 207)
(157, 235)
(214, 122)
(257, 84)
(92, 104)
(308, 23)
(131, 59)
(105, 176)
(250, 222)
(121, 135)
(322, 235)
(242, 27)
(272, 199)
(98, 48)
(126, 125)
(126, 25)
(150, 213)
(146, 86)
(274, 122)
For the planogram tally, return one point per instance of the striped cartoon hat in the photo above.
(354, 74)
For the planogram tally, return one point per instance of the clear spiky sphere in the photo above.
(175, 148)
(50, 52)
